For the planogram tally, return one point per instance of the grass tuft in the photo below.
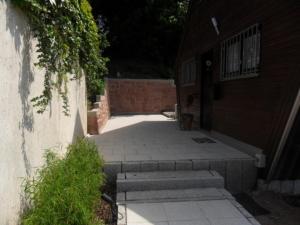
(65, 191)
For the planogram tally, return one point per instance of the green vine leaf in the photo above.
(69, 41)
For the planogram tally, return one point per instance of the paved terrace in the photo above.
(172, 193)
(139, 143)
(156, 137)
(207, 212)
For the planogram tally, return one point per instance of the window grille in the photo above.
(188, 74)
(240, 54)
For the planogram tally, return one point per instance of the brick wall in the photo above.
(141, 95)
(98, 116)
(253, 110)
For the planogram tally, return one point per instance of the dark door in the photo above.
(206, 91)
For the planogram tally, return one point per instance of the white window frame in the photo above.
(240, 54)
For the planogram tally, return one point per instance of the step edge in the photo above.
(170, 179)
(122, 196)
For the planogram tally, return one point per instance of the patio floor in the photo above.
(156, 137)
(210, 212)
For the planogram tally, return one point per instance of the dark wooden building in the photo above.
(238, 73)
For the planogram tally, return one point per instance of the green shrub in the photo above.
(69, 40)
(66, 191)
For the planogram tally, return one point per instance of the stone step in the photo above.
(168, 180)
(239, 174)
(198, 194)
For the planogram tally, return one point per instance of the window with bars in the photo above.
(240, 54)
(188, 73)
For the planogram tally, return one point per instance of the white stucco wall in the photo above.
(24, 134)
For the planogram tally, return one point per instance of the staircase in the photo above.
(177, 198)
(239, 174)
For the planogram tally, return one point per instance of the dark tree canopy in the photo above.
(142, 29)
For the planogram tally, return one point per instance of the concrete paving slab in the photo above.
(145, 137)
(177, 211)
(200, 164)
(113, 158)
(131, 166)
(148, 166)
(136, 141)
(143, 213)
(219, 209)
(166, 165)
(207, 212)
(230, 221)
(184, 165)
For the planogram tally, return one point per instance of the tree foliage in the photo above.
(69, 43)
(144, 29)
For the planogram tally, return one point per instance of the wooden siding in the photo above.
(252, 110)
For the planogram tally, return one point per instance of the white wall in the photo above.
(24, 134)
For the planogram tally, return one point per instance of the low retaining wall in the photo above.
(123, 96)
(98, 116)
(141, 95)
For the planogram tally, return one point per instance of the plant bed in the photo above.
(107, 211)
(67, 191)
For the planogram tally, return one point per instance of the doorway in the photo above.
(206, 92)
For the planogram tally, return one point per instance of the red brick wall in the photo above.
(98, 116)
(141, 95)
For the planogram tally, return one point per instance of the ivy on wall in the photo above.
(69, 45)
